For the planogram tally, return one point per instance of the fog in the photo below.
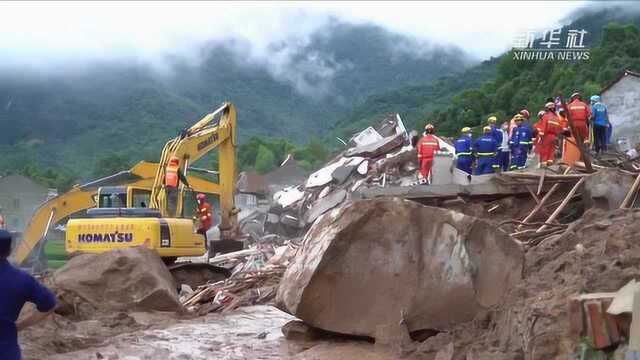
(69, 35)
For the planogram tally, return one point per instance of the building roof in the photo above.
(624, 74)
(290, 173)
(252, 183)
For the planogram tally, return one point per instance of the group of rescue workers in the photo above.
(507, 147)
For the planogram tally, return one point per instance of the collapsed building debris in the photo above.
(255, 276)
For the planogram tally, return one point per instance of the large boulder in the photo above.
(118, 280)
(371, 263)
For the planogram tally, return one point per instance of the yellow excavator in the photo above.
(139, 208)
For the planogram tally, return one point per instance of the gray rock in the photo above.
(367, 262)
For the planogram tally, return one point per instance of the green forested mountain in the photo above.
(116, 112)
(503, 86)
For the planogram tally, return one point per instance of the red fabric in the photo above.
(205, 216)
(579, 111)
(425, 167)
(427, 146)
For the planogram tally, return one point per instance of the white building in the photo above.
(622, 97)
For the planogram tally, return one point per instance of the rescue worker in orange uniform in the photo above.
(550, 128)
(204, 215)
(536, 132)
(427, 147)
(171, 176)
(580, 113)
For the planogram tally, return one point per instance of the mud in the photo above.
(248, 333)
(532, 321)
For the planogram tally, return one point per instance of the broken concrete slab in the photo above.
(607, 189)
(377, 148)
(375, 262)
(367, 136)
(342, 173)
(325, 204)
(288, 196)
(323, 176)
(450, 191)
(118, 280)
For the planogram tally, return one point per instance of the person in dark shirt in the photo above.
(16, 288)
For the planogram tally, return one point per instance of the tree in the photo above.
(265, 160)
(110, 164)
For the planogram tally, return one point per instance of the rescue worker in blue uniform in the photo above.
(464, 151)
(600, 115)
(495, 131)
(16, 288)
(485, 148)
(521, 143)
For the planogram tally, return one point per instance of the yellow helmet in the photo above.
(428, 126)
(486, 128)
(465, 129)
(492, 119)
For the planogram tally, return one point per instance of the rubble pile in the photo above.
(371, 263)
(254, 280)
(378, 156)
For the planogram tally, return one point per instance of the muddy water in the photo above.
(247, 333)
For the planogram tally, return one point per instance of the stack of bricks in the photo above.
(588, 317)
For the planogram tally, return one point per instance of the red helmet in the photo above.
(525, 113)
(201, 197)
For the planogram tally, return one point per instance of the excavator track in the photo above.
(196, 274)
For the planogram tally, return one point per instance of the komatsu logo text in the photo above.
(105, 237)
(208, 141)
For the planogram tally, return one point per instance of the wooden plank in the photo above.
(533, 195)
(563, 204)
(544, 172)
(546, 197)
(598, 330)
(631, 194)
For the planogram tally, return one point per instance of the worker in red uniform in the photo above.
(427, 147)
(204, 215)
(580, 113)
(550, 128)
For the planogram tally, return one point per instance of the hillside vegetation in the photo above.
(503, 86)
(76, 121)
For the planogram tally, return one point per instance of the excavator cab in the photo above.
(123, 196)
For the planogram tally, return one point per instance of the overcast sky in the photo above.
(50, 32)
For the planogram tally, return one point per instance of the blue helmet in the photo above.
(595, 98)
